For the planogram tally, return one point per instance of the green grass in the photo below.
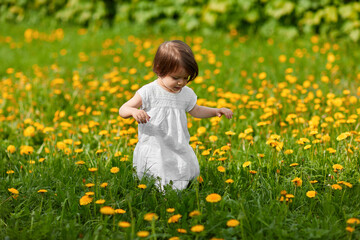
(94, 89)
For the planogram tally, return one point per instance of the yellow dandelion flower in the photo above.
(90, 193)
(114, 170)
(11, 149)
(124, 159)
(142, 186)
(89, 185)
(174, 238)
(343, 136)
(313, 181)
(288, 151)
(60, 145)
(229, 133)
(29, 131)
(104, 185)
(282, 58)
(170, 210)
(346, 184)
(213, 138)
(174, 219)
(350, 229)
(194, 213)
(294, 164)
(151, 216)
(42, 191)
(124, 224)
(242, 135)
(10, 172)
(99, 151)
(13, 191)
(331, 150)
(246, 164)
(26, 150)
(297, 181)
(262, 75)
(252, 171)
(232, 223)
(181, 230)
(229, 181)
(80, 162)
(221, 169)
(142, 234)
(132, 71)
(225, 148)
(103, 132)
(213, 198)
(337, 167)
(304, 140)
(248, 130)
(353, 221)
(307, 147)
(120, 211)
(197, 228)
(289, 195)
(100, 201)
(201, 130)
(93, 169)
(311, 194)
(107, 210)
(85, 200)
(336, 187)
(205, 152)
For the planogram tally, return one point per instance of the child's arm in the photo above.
(206, 112)
(131, 109)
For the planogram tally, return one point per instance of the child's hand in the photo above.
(224, 111)
(141, 116)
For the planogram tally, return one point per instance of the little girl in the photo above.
(163, 148)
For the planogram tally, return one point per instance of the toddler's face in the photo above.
(174, 82)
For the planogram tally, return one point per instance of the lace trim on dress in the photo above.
(168, 103)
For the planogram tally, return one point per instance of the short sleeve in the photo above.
(143, 92)
(192, 100)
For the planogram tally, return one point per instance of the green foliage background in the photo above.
(333, 18)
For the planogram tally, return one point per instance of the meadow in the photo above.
(286, 166)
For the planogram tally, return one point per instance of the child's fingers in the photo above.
(145, 118)
(228, 114)
(142, 117)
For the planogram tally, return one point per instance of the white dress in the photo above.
(163, 148)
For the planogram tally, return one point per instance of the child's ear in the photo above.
(156, 69)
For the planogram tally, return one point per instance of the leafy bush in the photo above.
(334, 18)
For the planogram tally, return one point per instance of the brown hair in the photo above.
(172, 55)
